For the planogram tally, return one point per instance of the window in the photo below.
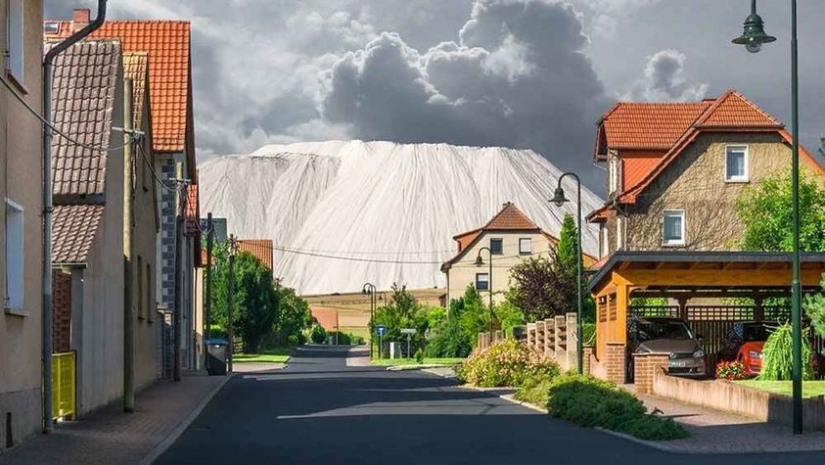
(619, 232)
(140, 288)
(736, 163)
(605, 244)
(673, 227)
(482, 282)
(496, 246)
(14, 27)
(14, 257)
(614, 174)
(525, 246)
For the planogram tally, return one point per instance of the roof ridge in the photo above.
(736, 94)
(512, 207)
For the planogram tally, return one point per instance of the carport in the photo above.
(697, 282)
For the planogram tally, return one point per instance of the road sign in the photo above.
(381, 330)
(408, 331)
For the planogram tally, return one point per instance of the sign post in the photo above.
(409, 332)
(381, 330)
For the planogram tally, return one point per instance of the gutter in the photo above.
(48, 206)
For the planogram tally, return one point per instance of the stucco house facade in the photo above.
(167, 45)
(20, 227)
(511, 237)
(676, 170)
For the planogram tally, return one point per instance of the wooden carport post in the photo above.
(683, 308)
(759, 311)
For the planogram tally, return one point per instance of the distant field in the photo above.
(354, 308)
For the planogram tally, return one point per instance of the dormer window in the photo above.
(614, 173)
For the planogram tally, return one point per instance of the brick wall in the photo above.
(588, 360)
(614, 361)
(644, 368)
(61, 312)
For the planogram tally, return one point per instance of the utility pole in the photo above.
(210, 238)
(128, 252)
(176, 316)
(233, 248)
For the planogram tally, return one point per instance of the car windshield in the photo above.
(649, 330)
(755, 333)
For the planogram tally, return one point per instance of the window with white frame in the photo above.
(673, 227)
(525, 246)
(15, 44)
(736, 163)
(14, 257)
(619, 231)
(614, 174)
(482, 282)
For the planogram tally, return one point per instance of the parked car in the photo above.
(744, 343)
(667, 335)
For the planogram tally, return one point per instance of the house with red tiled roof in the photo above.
(166, 45)
(509, 237)
(675, 171)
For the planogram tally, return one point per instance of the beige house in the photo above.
(510, 237)
(675, 170)
(20, 234)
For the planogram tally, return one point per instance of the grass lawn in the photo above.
(279, 355)
(412, 361)
(809, 388)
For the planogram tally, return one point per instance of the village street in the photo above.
(319, 410)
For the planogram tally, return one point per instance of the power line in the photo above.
(57, 131)
(152, 169)
(356, 259)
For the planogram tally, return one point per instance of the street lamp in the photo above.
(480, 262)
(559, 199)
(370, 290)
(752, 38)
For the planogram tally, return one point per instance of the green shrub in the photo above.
(506, 363)
(534, 390)
(777, 356)
(419, 356)
(731, 371)
(318, 334)
(292, 340)
(589, 334)
(591, 402)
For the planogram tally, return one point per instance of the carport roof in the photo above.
(651, 268)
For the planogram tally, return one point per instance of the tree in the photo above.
(766, 213)
(568, 249)
(293, 314)
(540, 289)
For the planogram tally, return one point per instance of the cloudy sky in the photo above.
(518, 73)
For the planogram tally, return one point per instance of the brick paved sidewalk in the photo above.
(109, 436)
(713, 431)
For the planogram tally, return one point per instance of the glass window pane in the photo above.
(482, 282)
(735, 165)
(495, 246)
(525, 245)
(673, 227)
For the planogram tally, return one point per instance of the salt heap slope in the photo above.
(345, 213)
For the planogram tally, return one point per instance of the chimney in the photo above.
(81, 19)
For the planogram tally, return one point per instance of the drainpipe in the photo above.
(48, 206)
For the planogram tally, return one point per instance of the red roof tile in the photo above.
(168, 45)
(637, 164)
(262, 249)
(733, 110)
(74, 231)
(649, 125)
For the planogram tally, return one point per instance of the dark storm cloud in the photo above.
(517, 77)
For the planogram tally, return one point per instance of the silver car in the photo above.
(667, 335)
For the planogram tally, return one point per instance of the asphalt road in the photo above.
(319, 411)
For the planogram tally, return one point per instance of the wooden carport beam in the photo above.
(752, 279)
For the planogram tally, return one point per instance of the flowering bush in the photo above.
(507, 363)
(731, 371)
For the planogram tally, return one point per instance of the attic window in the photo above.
(614, 173)
(496, 246)
(736, 163)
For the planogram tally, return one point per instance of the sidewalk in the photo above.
(110, 436)
(714, 431)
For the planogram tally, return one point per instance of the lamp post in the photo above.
(752, 38)
(233, 251)
(369, 288)
(559, 199)
(480, 262)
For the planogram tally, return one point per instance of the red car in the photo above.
(744, 343)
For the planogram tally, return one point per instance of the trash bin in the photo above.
(216, 356)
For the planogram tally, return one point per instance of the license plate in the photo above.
(677, 364)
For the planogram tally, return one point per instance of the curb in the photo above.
(654, 444)
(181, 427)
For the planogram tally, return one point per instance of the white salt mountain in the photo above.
(345, 213)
